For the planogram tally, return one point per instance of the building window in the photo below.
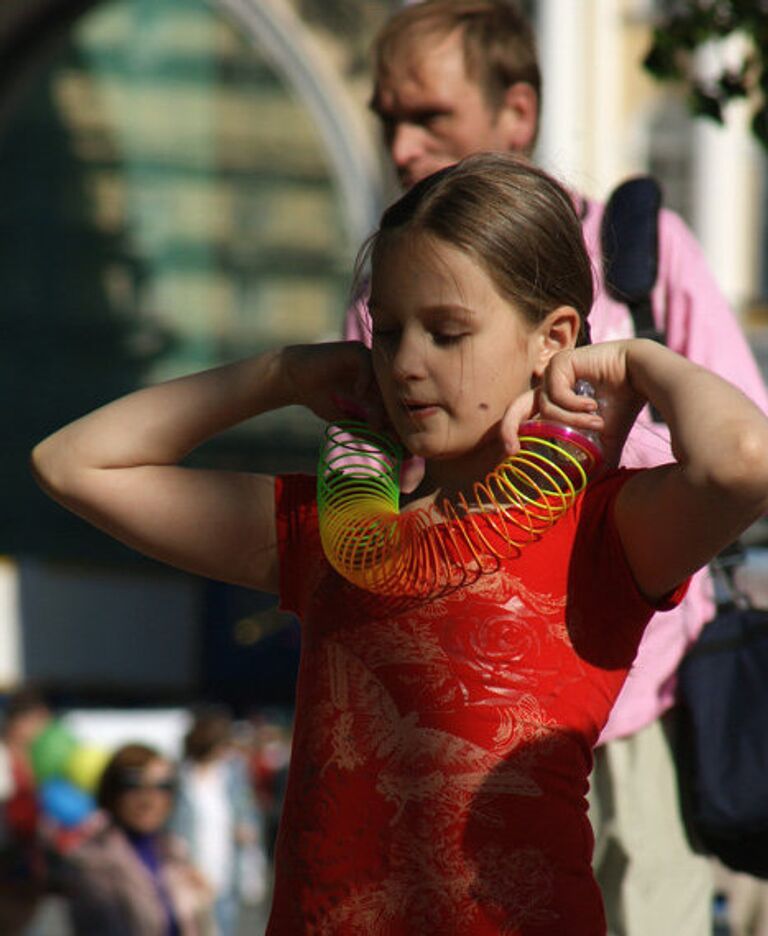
(168, 203)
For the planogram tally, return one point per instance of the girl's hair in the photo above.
(127, 761)
(513, 219)
(498, 41)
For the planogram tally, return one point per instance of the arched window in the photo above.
(183, 182)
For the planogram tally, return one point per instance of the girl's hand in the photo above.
(335, 380)
(611, 414)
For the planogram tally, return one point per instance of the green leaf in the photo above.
(704, 104)
(732, 85)
(760, 125)
(662, 64)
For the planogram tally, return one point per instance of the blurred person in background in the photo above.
(132, 877)
(744, 903)
(456, 77)
(216, 814)
(269, 774)
(22, 862)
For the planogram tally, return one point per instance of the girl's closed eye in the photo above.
(448, 325)
(444, 339)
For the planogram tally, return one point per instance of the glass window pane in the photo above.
(168, 203)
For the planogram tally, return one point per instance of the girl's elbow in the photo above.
(49, 468)
(39, 464)
(742, 470)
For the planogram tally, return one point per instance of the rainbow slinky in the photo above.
(423, 552)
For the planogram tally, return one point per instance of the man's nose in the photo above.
(406, 144)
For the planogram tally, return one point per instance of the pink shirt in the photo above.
(691, 309)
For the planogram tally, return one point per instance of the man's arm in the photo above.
(698, 320)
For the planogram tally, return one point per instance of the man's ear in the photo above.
(559, 330)
(519, 117)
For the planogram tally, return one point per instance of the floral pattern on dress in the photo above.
(442, 747)
(430, 780)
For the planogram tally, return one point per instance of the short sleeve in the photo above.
(604, 600)
(699, 322)
(298, 538)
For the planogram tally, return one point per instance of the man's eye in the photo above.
(430, 118)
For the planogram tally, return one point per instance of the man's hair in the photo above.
(499, 44)
(516, 221)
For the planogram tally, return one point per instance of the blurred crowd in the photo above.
(131, 841)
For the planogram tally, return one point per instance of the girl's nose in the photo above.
(409, 359)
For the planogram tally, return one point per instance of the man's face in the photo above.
(432, 114)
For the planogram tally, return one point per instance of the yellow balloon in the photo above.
(85, 765)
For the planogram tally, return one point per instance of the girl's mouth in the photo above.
(420, 410)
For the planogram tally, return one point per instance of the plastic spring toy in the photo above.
(425, 551)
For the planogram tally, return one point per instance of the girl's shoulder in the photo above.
(298, 538)
(607, 485)
(295, 496)
(299, 486)
(594, 511)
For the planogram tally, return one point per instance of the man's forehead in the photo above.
(428, 67)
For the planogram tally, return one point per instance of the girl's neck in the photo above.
(450, 478)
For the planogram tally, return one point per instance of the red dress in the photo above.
(442, 748)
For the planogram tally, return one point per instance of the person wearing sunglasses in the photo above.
(132, 877)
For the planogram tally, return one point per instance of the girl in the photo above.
(442, 747)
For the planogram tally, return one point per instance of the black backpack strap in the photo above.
(629, 237)
(727, 562)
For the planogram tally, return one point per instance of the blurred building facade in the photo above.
(186, 181)
(605, 118)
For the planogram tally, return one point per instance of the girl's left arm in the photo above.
(675, 518)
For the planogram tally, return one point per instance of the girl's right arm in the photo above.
(118, 467)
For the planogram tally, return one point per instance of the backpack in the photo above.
(629, 240)
(723, 714)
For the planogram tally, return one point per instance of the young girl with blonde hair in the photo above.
(443, 741)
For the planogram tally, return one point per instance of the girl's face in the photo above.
(450, 353)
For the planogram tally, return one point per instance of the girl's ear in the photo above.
(559, 330)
